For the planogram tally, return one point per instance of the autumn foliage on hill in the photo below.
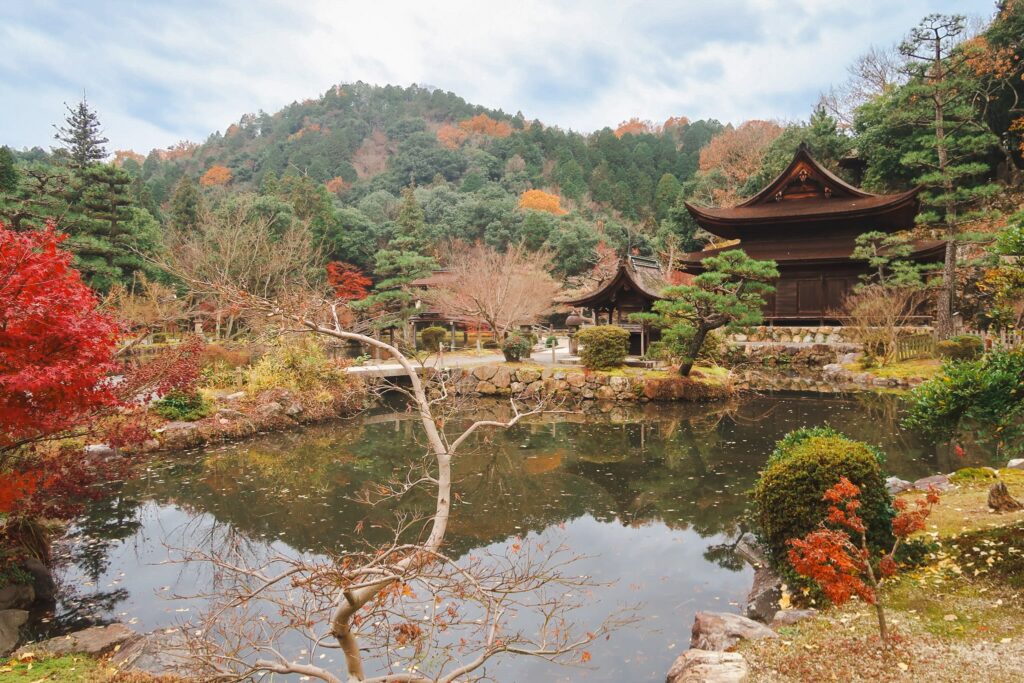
(349, 283)
(738, 153)
(480, 125)
(216, 175)
(539, 200)
(634, 126)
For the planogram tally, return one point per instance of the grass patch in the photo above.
(922, 368)
(68, 669)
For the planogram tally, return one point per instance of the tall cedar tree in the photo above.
(8, 172)
(82, 136)
(729, 293)
(942, 104)
(186, 204)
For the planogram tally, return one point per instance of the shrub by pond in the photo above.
(789, 492)
(603, 346)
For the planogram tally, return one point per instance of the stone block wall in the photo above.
(813, 334)
(579, 384)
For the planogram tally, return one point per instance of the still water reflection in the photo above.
(652, 494)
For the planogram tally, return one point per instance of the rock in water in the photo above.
(11, 621)
(95, 641)
(763, 599)
(701, 666)
(1000, 500)
(721, 631)
(160, 653)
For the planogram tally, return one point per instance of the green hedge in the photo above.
(433, 337)
(788, 496)
(961, 347)
(603, 346)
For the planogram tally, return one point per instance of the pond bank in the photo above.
(958, 617)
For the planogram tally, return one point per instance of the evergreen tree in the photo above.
(8, 172)
(949, 139)
(81, 136)
(665, 195)
(411, 225)
(729, 293)
(186, 204)
(106, 230)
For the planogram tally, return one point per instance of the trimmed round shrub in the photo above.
(433, 337)
(788, 495)
(516, 346)
(603, 346)
(961, 347)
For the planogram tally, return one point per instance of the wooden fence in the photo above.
(915, 346)
(1007, 339)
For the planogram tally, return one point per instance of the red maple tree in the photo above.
(348, 282)
(836, 555)
(57, 356)
(56, 346)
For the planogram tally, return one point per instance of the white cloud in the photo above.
(164, 72)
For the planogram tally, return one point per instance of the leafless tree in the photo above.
(503, 289)
(878, 316)
(239, 248)
(874, 73)
(406, 593)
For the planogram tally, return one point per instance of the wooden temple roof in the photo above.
(804, 194)
(635, 274)
(808, 253)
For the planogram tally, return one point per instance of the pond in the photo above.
(649, 494)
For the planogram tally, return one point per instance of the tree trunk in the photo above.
(944, 315)
(691, 353)
(1000, 500)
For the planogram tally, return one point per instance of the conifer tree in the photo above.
(949, 139)
(81, 135)
(8, 172)
(186, 204)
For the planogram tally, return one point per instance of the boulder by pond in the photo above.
(11, 621)
(721, 631)
(702, 666)
(94, 641)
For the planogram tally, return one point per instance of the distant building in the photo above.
(807, 221)
(634, 288)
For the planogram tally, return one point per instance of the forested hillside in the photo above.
(385, 177)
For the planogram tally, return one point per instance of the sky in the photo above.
(161, 72)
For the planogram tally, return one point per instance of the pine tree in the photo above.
(729, 293)
(82, 136)
(665, 195)
(186, 204)
(952, 139)
(411, 224)
(8, 172)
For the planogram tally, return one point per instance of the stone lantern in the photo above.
(574, 322)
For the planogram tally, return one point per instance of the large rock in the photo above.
(939, 481)
(604, 393)
(721, 631)
(763, 599)
(269, 410)
(179, 434)
(94, 641)
(502, 378)
(486, 388)
(527, 375)
(576, 379)
(42, 581)
(100, 450)
(16, 596)
(484, 372)
(1016, 464)
(750, 550)
(702, 666)
(895, 485)
(11, 621)
(788, 617)
(160, 653)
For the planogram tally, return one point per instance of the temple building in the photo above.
(636, 285)
(807, 221)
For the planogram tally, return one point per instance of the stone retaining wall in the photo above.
(814, 334)
(529, 380)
